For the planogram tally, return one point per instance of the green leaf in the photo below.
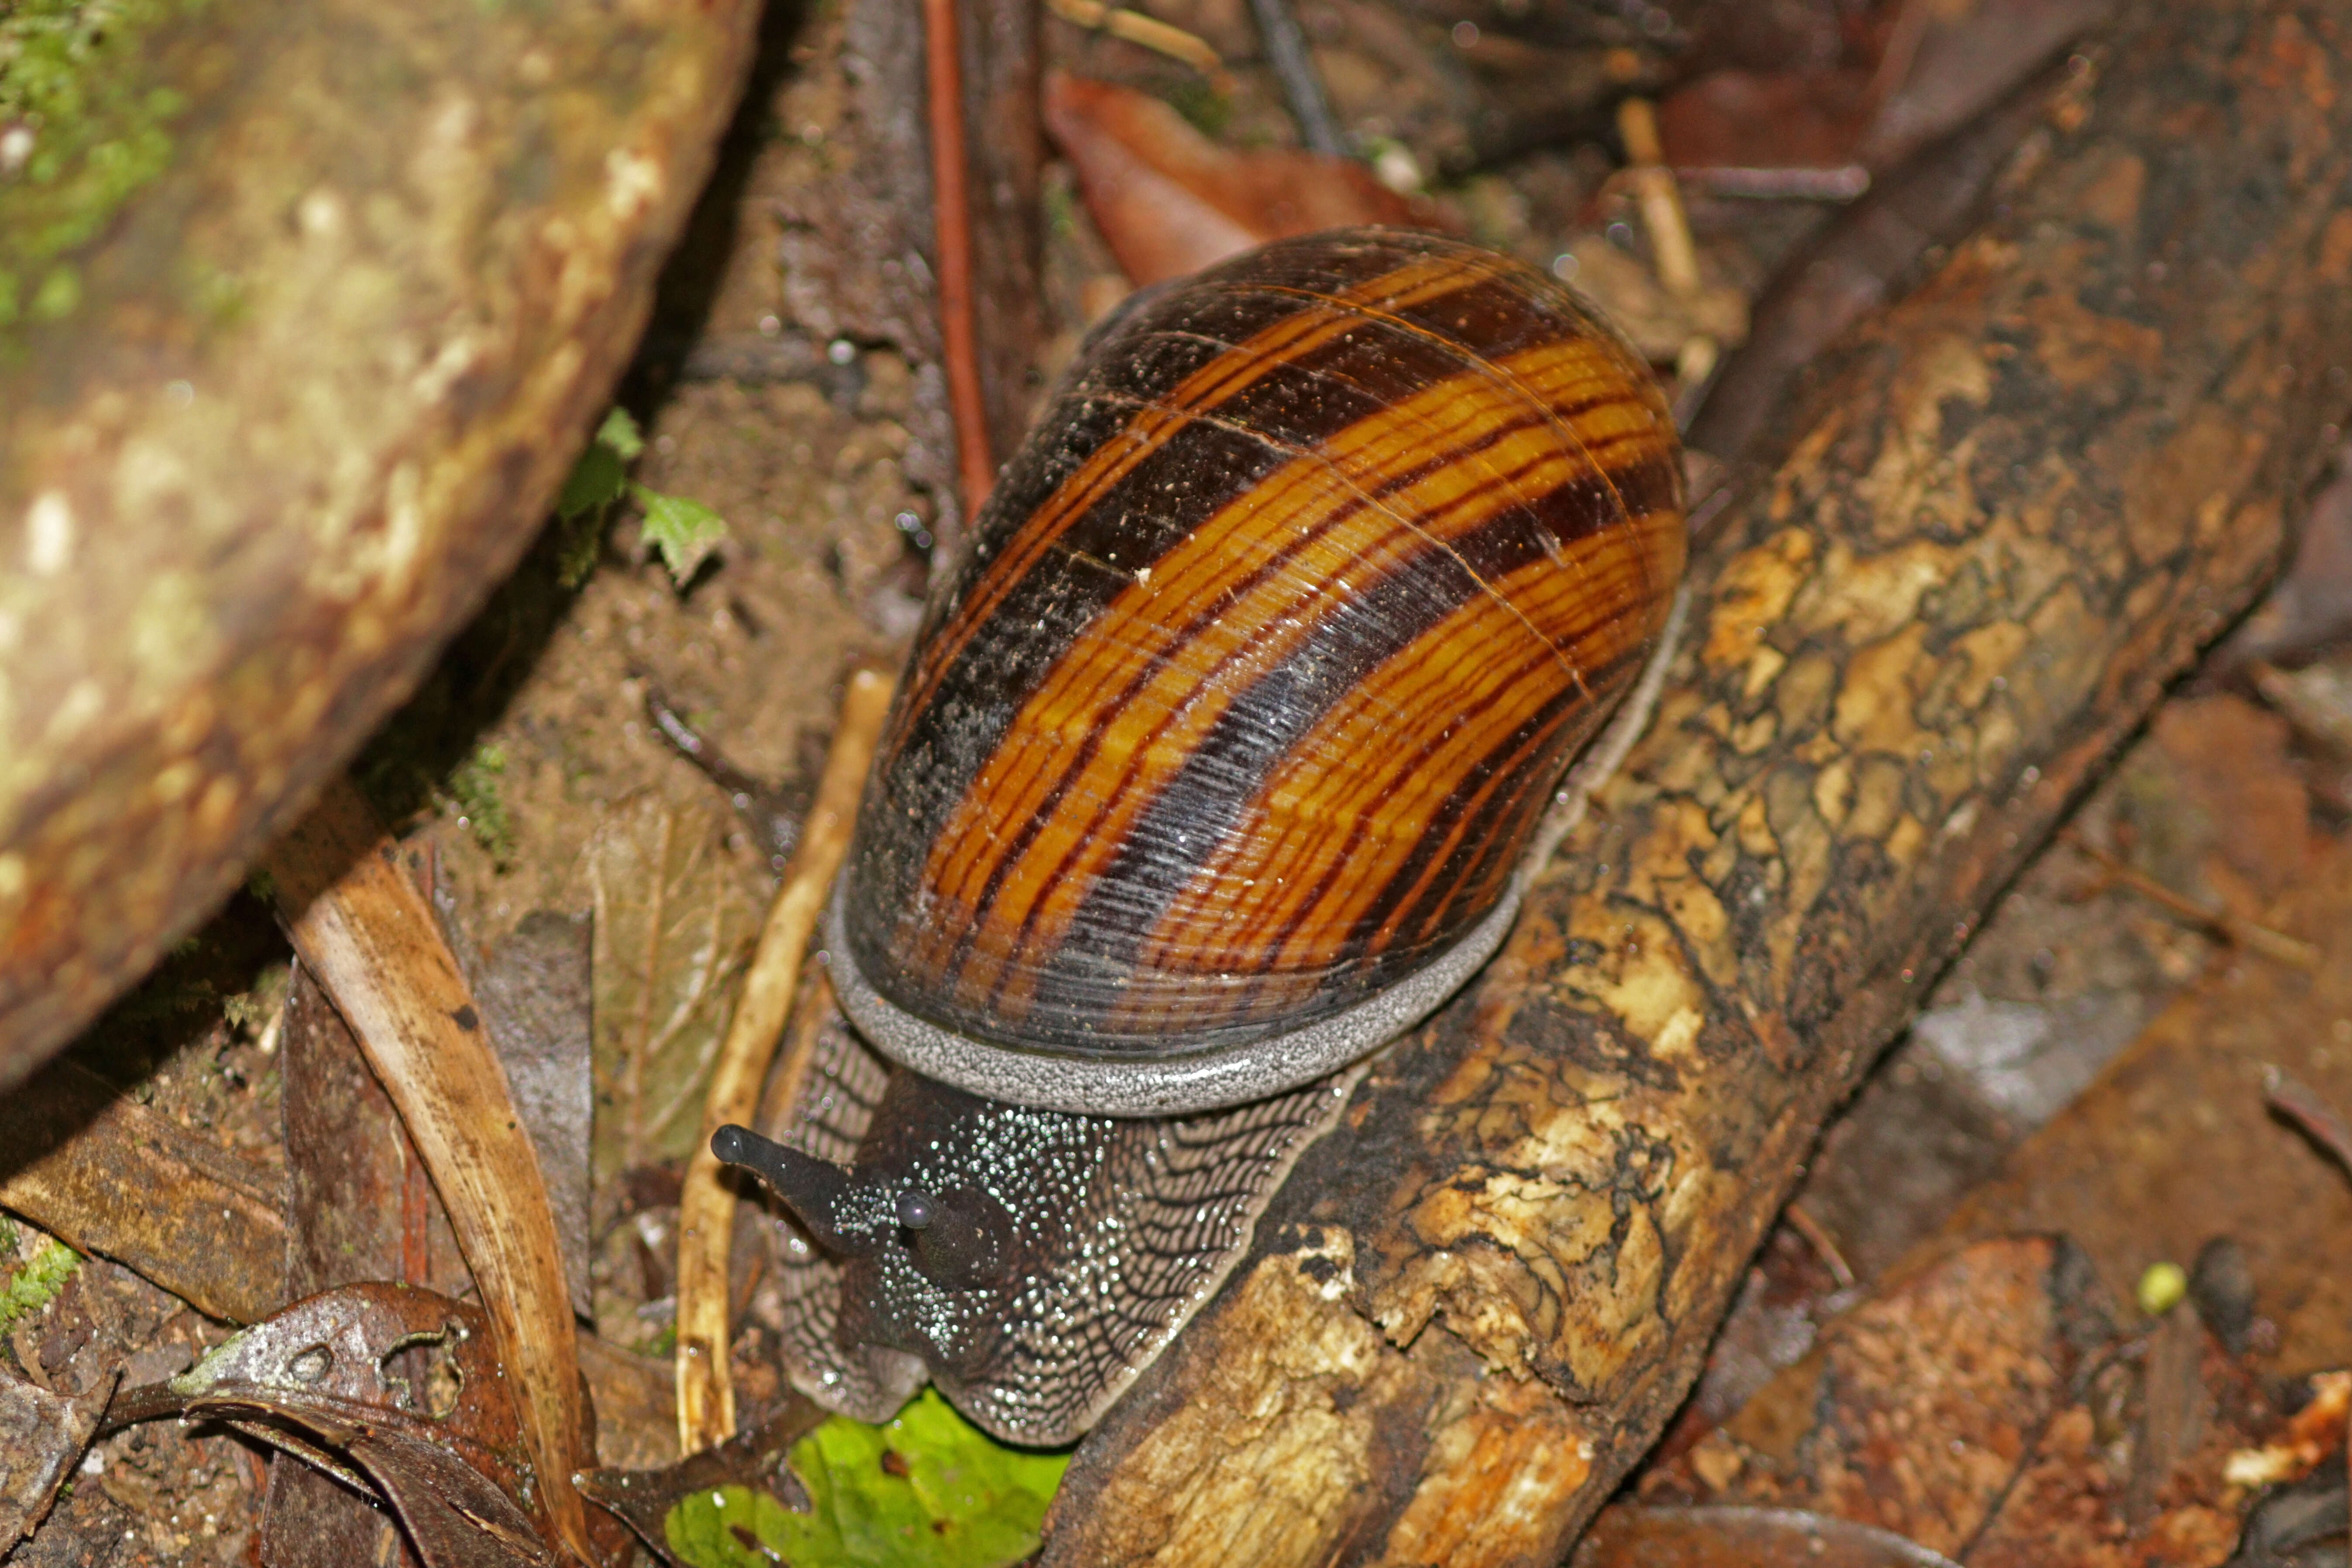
(685, 531)
(709, 1529)
(928, 1491)
(596, 481)
(601, 476)
(619, 432)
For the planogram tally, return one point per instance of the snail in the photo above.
(1280, 657)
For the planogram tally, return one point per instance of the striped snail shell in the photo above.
(1221, 760)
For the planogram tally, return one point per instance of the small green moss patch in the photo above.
(82, 129)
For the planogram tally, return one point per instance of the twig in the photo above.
(2322, 1124)
(1670, 239)
(2255, 938)
(1148, 32)
(780, 1100)
(365, 929)
(1302, 87)
(416, 1217)
(2310, 1111)
(1661, 201)
(951, 235)
(706, 1220)
(1901, 51)
(1826, 183)
(1802, 1221)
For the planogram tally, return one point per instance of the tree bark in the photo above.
(281, 418)
(2014, 505)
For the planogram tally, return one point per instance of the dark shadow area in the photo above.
(423, 750)
(689, 284)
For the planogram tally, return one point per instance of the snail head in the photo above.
(957, 1237)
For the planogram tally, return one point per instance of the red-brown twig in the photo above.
(952, 238)
(1802, 1221)
(2309, 1110)
(2272, 944)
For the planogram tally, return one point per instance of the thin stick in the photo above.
(2274, 945)
(1670, 241)
(1662, 202)
(781, 1097)
(2310, 1111)
(1302, 85)
(706, 1220)
(2322, 1124)
(1148, 32)
(1802, 1221)
(1901, 50)
(952, 233)
(365, 929)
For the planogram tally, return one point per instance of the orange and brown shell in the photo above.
(1219, 759)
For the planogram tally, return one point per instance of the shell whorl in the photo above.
(1269, 654)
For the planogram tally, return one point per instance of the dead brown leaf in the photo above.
(359, 922)
(403, 1384)
(1734, 1536)
(111, 1176)
(2173, 1145)
(1171, 202)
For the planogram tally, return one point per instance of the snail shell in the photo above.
(1217, 763)
(1220, 761)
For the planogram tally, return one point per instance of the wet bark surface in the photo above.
(302, 402)
(2014, 507)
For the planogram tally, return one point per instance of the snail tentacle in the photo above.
(822, 1195)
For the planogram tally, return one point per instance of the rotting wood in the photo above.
(322, 377)
(2016, 505)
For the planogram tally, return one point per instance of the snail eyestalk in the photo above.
(821, 1195)
(957, 1239)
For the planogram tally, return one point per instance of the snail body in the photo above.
(1221, 760)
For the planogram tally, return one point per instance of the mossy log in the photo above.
(304, 311)
(2014, 505)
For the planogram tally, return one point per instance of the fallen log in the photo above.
(2012, 507)
(304, 311)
